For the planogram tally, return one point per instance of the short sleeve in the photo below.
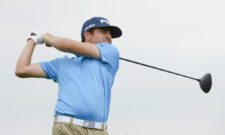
(109, 54)
(51, 68)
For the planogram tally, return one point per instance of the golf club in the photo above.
(205, 82)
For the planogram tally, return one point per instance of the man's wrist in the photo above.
(30, 41)
(47, 38)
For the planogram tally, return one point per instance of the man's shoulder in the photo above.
(63, 60)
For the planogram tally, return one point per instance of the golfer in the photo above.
(84, 81)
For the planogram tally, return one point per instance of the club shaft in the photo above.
(135, 62)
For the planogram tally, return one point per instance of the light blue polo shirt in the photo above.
(84, 83)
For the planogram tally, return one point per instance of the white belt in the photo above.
(79, 122)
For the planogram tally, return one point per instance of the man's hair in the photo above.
(90, 31)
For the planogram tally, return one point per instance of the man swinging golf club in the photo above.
(84, 81)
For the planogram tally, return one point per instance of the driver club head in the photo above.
(206, 82)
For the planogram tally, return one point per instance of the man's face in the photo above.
(99, 35)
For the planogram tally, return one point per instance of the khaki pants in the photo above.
(61, 128)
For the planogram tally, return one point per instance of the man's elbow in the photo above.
(20, 73)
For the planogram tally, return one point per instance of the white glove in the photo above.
(37, 37)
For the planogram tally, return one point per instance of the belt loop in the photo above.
(104, 126)
(71, 120)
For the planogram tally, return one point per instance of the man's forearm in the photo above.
(62, 44)
(71, 46)
(25, 57)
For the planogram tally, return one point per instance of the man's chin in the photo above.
(104, 42)
(109, 42)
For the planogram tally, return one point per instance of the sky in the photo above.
(185, 36)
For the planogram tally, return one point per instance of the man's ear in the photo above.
(87, 35)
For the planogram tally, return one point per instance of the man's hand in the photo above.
(36, 37)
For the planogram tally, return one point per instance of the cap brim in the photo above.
(115, 31)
